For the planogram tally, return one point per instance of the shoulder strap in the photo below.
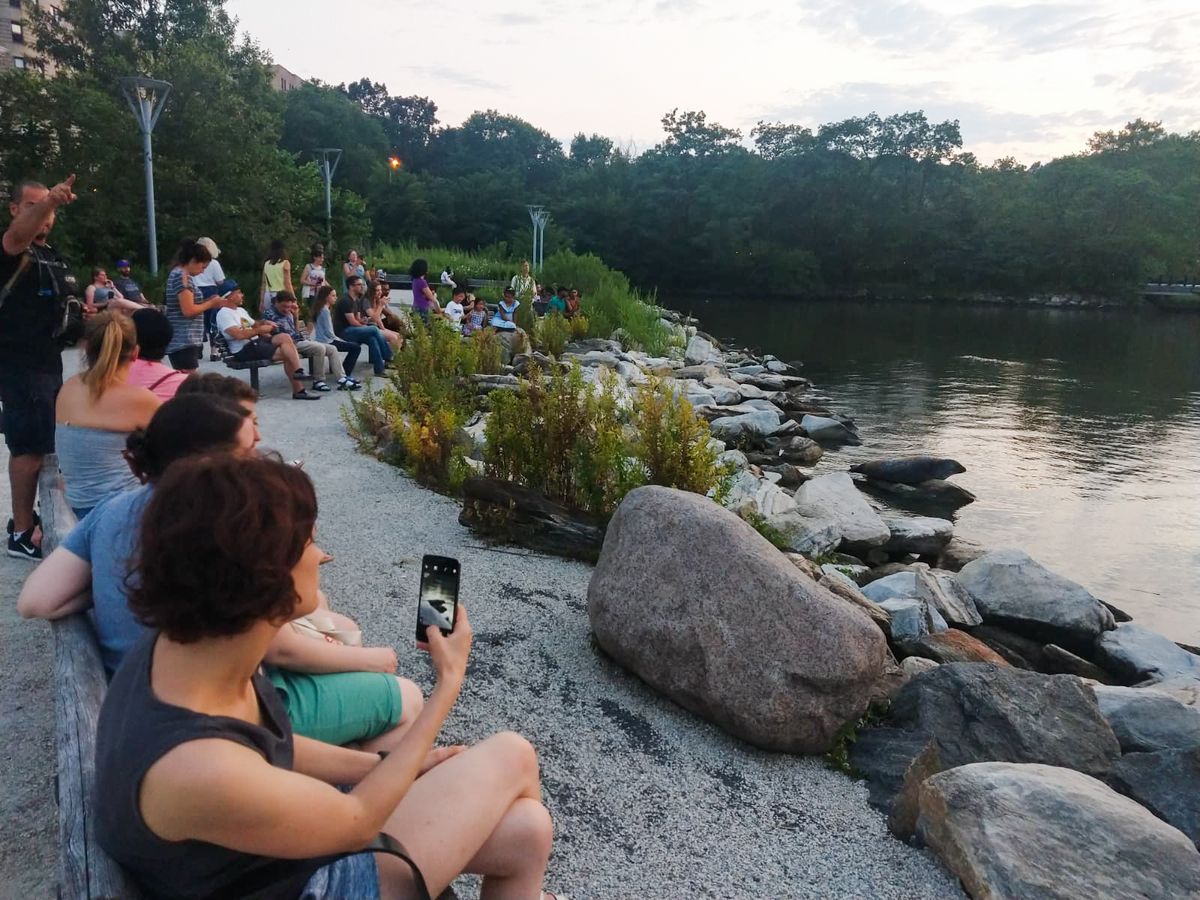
(26, 259)
(170, 374)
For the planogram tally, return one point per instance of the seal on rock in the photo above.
(909, 469)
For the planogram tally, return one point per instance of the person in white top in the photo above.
(206, 284)
(313, 277)
(454, 310)
(448, 278)
(252, 341)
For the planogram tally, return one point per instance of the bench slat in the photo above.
(86, 872)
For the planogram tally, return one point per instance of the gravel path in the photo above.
(647, 799)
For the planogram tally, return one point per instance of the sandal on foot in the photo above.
(321, 386)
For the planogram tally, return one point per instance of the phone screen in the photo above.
(437, 603)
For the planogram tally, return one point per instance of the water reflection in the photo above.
(1080, 430)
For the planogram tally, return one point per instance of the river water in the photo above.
(1080, 430)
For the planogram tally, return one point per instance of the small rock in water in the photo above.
(958, 553)
(756, 424)
(831, 430)
(909, 470)
(1041, 831)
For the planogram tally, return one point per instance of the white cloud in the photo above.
(1030, 79)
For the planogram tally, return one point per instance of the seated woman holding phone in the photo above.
(202, 789)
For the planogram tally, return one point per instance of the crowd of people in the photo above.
(469, 313)
(250, 742)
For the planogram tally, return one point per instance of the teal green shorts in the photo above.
(340, 707)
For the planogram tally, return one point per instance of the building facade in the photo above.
(283, 79)
(16, 37)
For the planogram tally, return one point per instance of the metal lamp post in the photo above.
(394, 163)
(330, 157)
(146, 97)
(539, 217)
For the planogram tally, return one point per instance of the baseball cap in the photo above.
(122, 264)
(210, 245)
(228, 286)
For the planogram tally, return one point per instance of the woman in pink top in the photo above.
(148, 370)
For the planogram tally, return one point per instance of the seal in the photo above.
(909, 470)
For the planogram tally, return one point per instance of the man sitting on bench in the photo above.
(252, 341)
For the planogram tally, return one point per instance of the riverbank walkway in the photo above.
(648, 800)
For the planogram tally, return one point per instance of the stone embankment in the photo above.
(1031, 735)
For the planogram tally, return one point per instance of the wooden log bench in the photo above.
(85, 870)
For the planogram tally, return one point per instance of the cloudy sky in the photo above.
(1028, 79)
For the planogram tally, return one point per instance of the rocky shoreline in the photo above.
(1009, 709)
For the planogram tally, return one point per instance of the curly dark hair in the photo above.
(219, 539)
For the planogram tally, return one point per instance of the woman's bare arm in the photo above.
(60, 586)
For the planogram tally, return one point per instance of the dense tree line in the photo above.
(888, 204)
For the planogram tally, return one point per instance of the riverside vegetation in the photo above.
(888, 203)
(992, 705)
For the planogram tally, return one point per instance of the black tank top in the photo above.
(135, 731)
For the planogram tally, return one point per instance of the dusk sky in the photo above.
(1031, 80)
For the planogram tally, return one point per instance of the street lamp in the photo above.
(146, 97)
(394, 163)
(539, 217)
(330, 157)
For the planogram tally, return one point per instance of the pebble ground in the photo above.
(648, 800)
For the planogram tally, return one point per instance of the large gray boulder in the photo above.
(1145, 720)
(748, 425)
(1037, 831)
(834, 431)
(922, 535)
(1137, 653)
(696, 603)
(1012, 590)
(834, 497)
(1167, 783)
(901, 584)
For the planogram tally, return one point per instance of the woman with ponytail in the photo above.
(96, 412)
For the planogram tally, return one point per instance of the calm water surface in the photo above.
(1080, 430)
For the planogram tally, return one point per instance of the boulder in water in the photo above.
(909, 470)
(1012, 590)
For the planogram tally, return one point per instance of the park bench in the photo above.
(221, 345)
(85, 870)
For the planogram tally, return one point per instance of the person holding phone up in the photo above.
(201, 787)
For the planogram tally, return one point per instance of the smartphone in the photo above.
(437, 603)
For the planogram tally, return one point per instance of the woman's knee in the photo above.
(515, 752)
(412, 701)
(529, 822)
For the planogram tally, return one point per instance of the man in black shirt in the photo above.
(350, 326)
(33, 278)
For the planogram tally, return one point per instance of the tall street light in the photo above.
(539, 217)
(146, 97)
(330, 157)
(394, 163)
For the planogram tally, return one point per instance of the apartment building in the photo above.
(16, 38)
(283, 79)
